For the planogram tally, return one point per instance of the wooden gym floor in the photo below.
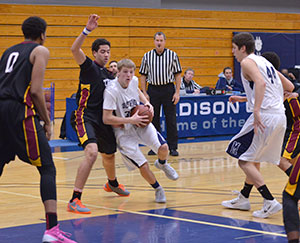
(193, 212)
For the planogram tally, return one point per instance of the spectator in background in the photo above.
(288, 74)
(227, 82)
(113, 68)
(188, 84)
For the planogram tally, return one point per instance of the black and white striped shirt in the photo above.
(189, 87)
(160, 69)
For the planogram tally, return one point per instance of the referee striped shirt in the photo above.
(160, 68)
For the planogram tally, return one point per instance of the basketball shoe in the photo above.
(168, 169)
(55, 235)
(77, 207)
(120, 190)
(240, 202)
(160, 195)
(270, 207)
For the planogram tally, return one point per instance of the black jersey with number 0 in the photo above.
(15, 72)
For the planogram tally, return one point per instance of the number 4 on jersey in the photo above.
(11, 61)
(271, 74)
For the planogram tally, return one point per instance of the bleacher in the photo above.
(202, 39)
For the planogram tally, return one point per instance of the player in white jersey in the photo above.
(120, 97)
(261, 137)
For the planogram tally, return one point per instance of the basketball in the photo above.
(143, 110)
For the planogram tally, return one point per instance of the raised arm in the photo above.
(78, 54)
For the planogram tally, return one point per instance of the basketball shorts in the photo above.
(291, 142)
(90, 129)
(261, 147)
(22, 135)
(128, 141)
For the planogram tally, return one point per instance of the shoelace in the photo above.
(80, 204)
(65, 233)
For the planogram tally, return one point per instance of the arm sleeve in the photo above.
(109, 101)
(144, 67)
(176, 65)
(195, 85)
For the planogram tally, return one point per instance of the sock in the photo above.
(51, 220)
(264, 191)
(114, 183)
(155, 185)
(162, 161)
(246, 190)
(76, 194)
(289, 170)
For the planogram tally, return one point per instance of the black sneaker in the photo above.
(173, 152)
(151, 152)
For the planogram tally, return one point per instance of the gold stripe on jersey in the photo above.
(84, 96)
(291, 186)
(292, 143)
(31, 139)
(295, 105)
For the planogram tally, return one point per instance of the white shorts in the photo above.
(128, 143)
(260, 147)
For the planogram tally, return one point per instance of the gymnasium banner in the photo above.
(287, 47)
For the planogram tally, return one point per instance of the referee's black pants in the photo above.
(163, 95)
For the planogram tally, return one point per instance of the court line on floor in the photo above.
(161, 216)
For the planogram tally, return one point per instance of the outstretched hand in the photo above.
(92, 22)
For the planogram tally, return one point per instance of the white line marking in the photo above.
(160, 216)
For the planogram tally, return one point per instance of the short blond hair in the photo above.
(125, 63)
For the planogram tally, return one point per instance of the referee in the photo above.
(161, 67)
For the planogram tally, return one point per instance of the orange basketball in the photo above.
(143, 110)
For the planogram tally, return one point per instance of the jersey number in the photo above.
(271, 74)
(11, 62)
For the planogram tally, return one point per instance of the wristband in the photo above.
(86, 31)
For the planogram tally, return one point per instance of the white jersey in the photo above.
(121, 100)
(273, 97)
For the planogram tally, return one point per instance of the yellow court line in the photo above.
(163, 216)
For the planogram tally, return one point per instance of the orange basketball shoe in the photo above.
(120, 190)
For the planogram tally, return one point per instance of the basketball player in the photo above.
(22, 69)
(260, 138)
(120, 97)
(93, 135)
(290, 155)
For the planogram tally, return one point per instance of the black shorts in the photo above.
(22, 135)
(291, 142)
(290, 212)
(90, 129)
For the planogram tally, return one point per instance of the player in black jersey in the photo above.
(92, 133)
(22, 69)
(290, 154)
